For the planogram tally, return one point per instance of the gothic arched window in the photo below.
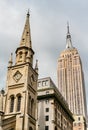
(11, 103)
(29, 105)
(20, 54)
(18, 102)
(11, 129)
(26, 53)
(30, 128)
(32, 106)
(55, 128)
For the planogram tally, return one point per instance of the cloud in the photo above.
(48, 30)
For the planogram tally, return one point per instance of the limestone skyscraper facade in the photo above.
(71, 81)
(71, 78)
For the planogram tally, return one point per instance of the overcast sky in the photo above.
(48, 31)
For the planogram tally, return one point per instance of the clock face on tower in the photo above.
(17, 76)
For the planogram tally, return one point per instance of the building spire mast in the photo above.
(68, 38)
(67, 27)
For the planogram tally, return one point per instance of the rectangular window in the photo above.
(47, 101)
(46, 118)
(39, 84)
(44, 83)
(47, 82)
(46, 127)
(47, 109)
(78, 118)
(47, 92)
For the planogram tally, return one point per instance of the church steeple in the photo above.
(20, 98)
(26, 36)
(25, 51)
(68, 38)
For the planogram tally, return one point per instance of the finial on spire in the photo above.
(68, 38)
(1, 101)
(36, 66)
(67, 27)
(28, 14)
(11, 60)
(68, 32)
(2, 91)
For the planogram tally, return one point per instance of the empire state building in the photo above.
(71, 78)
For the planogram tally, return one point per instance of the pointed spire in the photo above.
(11, 60)
(68, 38)
(26, 36)
(67, 27)
(28, 14)
(25, 52)
(36, 66)
(1, 101)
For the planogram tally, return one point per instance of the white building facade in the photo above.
(53, 112)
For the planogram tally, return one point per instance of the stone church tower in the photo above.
(18, 103)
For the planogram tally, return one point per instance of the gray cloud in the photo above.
(48, 30)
